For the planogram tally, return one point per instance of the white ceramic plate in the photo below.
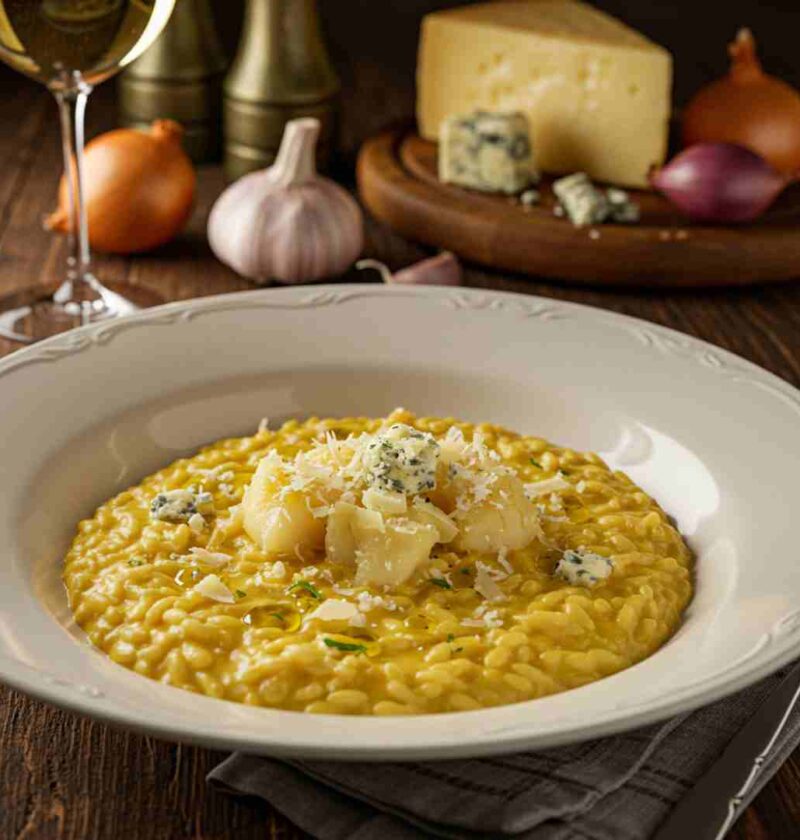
(711, 436)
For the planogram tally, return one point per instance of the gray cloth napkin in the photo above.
(617, 788)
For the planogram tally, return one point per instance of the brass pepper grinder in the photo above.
(180, 78)
(281, 71)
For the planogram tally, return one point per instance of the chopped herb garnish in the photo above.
(240, 593)
(458, 650)
(134, 562)
(279, 616)
(536, 463)
(308, 587)
(450, 637)
(440, 582)
(350, 647)
(465, 571)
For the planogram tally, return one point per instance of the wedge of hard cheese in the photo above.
(596, 92)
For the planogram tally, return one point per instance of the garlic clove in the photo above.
(287, 222)
(442, 270)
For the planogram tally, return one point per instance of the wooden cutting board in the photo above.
(397, 182)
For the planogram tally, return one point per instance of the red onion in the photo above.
(719, 182)
(442, 270)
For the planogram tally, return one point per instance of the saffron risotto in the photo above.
(385, 566)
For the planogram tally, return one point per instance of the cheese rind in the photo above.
(488, 152)
(595, 92)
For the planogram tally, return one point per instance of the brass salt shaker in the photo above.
(180, 78)
(281, 71)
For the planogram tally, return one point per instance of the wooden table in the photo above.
(62, 776)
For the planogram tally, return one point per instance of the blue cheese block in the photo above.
(488, 152)
(402, 459)
(178, 505)
(583, 568)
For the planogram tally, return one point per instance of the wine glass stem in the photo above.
(80, 291)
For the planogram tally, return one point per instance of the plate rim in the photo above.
(62, 346)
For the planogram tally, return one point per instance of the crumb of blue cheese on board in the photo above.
(487, 151)
(581, 200)
(585, 204)
(529, 197)
(178, 505)
(622, 209)
(402, 460)
(583, 568)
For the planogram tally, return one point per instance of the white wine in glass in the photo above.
(71, 46)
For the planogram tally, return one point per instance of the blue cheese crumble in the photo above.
(583, 568)
(586, 204)
(402, 459)
(582, 201)
(178, 505)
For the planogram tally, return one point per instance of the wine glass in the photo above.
(71, 46)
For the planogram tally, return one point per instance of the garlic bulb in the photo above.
(287, 222)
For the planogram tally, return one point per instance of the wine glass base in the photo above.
(36, 313)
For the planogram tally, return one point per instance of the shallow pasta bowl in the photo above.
(709, 435)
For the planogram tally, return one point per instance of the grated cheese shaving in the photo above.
(485, 585)
(333, 610)
(212, 587)
(502, 559)
(210, 558)
(367, 602)
(556, 484)
(278, 570)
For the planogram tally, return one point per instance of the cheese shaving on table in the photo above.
(212, 587)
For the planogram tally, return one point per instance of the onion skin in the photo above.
(719, 182)
(749, 108)
(139, 189)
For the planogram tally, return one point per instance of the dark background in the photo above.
(373, 44)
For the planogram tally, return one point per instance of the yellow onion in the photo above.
(748, 107)
(138, 186)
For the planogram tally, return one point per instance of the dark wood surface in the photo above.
(62, 776)
(398, 181)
